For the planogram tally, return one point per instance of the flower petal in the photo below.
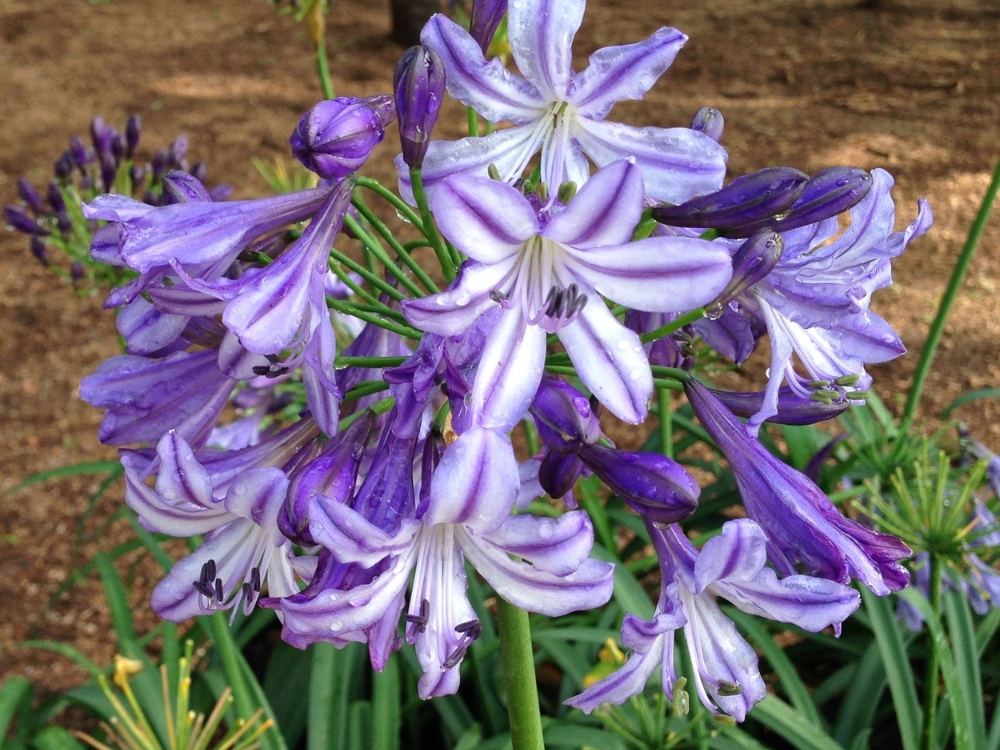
(657, 274)
(557, 546)
(610, 360)
(350, 537)
(509, 372)
(604, 212)
(487, 220)
(677, 164)
(453, 311)
(487, 87)
(628, 680)
(625, 72)
(541, 40)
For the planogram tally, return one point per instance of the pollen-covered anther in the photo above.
(420, 620)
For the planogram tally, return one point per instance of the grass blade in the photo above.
(963, 638)
(897, 668)
(802, 734)
(386, 707)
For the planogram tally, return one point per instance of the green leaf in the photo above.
(857, 710)
(75, 470)
(791, 683)
(897, 668)
(66, 650)
(566, 734)
(329, 695)
(55, 738)
(962, 711)
(963, 638)
(15, 695)
(386, 707)
(288, 666)
(968, 398)
(801, 733)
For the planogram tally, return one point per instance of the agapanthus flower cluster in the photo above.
(341, 431)
(110, 165)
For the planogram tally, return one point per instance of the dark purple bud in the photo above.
(654, 486)
(77, 271)
(55, 197)
(826, 194)
(108, 171)
(793, 408)
(64, 166)
(39, 250)
(86, 182)
(133, 128)
(78, 153)
(486, 17)
(335, 137)
(64, 223)
(158, 164)
(419, 84)
(180, 187)
(746, 199)
(709, 120)
(118, 146)
(101, 136)
(565, 419)
(200, 172)
(332, 474)
(30, 196)
(151, 199)
(753, 261)
(178, 150)
(559, 472)
(137, 175)
(19, 218)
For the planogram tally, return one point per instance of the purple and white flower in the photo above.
(562, 113)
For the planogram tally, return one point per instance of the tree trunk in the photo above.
(409, 17)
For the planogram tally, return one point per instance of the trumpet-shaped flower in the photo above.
(561, 113)
(730, 566)
(551, 280)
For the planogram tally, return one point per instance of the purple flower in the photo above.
(550, 280)
(730, 566)
(553, 576)
(561, 113)
(336, 136)
(486, 17)
(815, 300)
(243, 548)
(803, 527)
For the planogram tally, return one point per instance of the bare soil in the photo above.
(911, 85)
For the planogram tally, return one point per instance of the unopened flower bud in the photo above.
(39, 250)
(138, 176)
(63, 168)
(30, 196)
(335, 137)
(158, 164)
(79, 153)
(178, 151)
(180, 187)
(200, 172)
(55, 197)
(19, 219)
(559, 472)
(746, 199)
(76, 271)
(654, 486)
(753, 261)
(565, 419)
(418, 84)
(709, 120)
(118, 146)
(108, 172)
(100, 136)
(828, 193)
(133, 129)
(486, 17)
(793, 408)
(64, 223)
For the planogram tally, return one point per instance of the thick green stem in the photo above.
(375, 249)
(947, 300)
(430, 230)
(927, 738)
(402, 208)
(519, 677)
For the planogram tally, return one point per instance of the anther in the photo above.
(497, 296)
(255, 579)
(219, 593)
(208, 572)
(247, 591)
(205, 589)
(454, 658)
(728, 689)
(423, 618)
(471, 629)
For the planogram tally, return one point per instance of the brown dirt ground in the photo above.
(912, 85)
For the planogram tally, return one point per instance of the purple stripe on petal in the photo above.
(485, 219)
(625, 72)
(676, 163)
(487, 87)
(541, 39)
(604, 212)
(610, 360)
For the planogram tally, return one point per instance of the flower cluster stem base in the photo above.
(519, 677)
(927, 735)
